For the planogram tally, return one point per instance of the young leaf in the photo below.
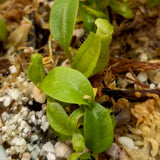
(85, 156)
(153, 3)
(62, 20)
(88, 54)
(101, 5)
(68, 85)
(104, 31)
(95, 13)
(78, 142)
(3, 30)
(58, 118)
(74, 156)
(98, 128)
(74, 117)
(36, 71)
(121, 8)
(88, 20)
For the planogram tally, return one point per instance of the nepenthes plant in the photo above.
(90, 124)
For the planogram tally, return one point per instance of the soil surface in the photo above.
(129, 85)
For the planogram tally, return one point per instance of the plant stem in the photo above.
(95, 156)
(69, 55)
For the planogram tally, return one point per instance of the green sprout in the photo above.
(90, 125)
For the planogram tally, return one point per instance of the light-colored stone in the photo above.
(26, 156)
(63, 150)
(38, 95)
(35, 152)
(7, 101)
(51, 156)
(142, 76)
(18, 141)
(34, 138)
(48, 147)
(129, 76)
(13, 69)
(2, 153)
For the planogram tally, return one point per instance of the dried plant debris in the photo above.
(139, 35)
(122, 65)
(131, 95)
(145, 134)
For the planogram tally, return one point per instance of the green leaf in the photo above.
(152, 3)
(57, 118)
(36, 71)
(3, 30)
(121, 8)
(74, 156)
(78, 142)
(101, 5)
(62, 20)
(88, 54)
(88, 20)
(98, 129)
(85, 156)
(74, 118)
(104, 31)
(68, 85)
(95, 13)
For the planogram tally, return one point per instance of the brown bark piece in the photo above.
(131, 95)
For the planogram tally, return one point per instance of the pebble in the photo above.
(30, 147)
(48, 147)
(13, 69)
(152, 86)
(5, 116)
(143, 57)
(51, 156)
(29, 49)
(2, 153)
(7, 101)
(122, 83)
(114, 151)
(142, 76)
(79, 32)
(35, 152)
(39, 114)
(62, 150)
(156, 78)
(44, 123)
(129, 75)
(38, 95)
(26, 156)
(34, 138)
(18, 141)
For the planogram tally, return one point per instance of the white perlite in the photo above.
(51, 156)
(2, 154)
(34, 138)
(48, 147)
(13, 69)
(142, 76)
(130, 77)
(26, 156)
(35, 152)
(18, 141)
